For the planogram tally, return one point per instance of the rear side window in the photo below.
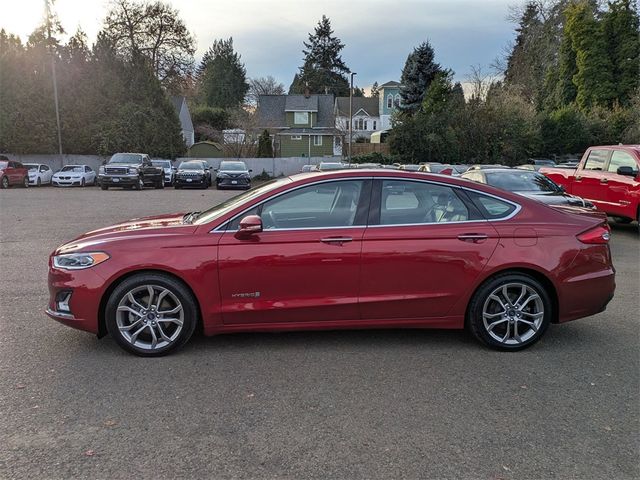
(491, 207)
(596, 160)
(621, 159)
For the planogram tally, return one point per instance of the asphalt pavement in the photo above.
(346, 404)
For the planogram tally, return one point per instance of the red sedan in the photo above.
(348, 249)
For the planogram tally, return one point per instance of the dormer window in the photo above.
(300, 118)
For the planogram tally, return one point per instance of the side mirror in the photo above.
(627, 171)
(249, 225)
(250, 170)
(561, 188)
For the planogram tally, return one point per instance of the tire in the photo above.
(5, 182)
(623, 220)
(38, 182)
(25, 182)
(139, 185)
(177, 187)
(82, 183)
(528, 312)
(124, 317)
(104, 187)
(160, 184)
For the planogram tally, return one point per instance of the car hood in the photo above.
(190, 171)
(234, 172)
(171, 224)
(136, 165)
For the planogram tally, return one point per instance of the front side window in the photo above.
(406, 203)
(621, 159)
(300, 118)
(596, 160)
(324, 205)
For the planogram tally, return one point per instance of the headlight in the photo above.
(78, 261)
(101, 169)
(133, 170)
(222, 175)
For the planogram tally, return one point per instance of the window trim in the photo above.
(605, 162)
(296, 137)
(295, 113)
(316, 137)
(608, 164)
(222, 227)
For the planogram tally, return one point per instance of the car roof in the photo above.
(502, 170)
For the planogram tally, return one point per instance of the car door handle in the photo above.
(604, 180)
(472, 237)
(336, 240)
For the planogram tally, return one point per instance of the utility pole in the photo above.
(351, 115)
(47, 9)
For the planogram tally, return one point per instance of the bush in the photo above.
(374, 157)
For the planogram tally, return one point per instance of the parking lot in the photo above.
(356, 404)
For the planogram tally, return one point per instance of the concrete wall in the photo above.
(274, 167)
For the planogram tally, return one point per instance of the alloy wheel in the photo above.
(513, 313)
(5, 182)
(150, 317)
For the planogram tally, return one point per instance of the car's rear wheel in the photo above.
(25, 182)
(151, 314)
(510, 312)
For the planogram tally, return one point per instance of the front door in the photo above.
(590, 180)
(621, 188)
(422, 252)
(305, 264)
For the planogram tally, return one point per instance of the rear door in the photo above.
(591, 178)
(423, 249)
(305, 264)
(622, 188)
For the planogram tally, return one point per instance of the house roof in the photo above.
(300, 103)
(369, 105)
(308, 131)
(272, 109)
(177, 102)
(391, 83)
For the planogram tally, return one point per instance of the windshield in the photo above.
(72, 168)
(191, 166)
(523, 181)
(225, 207)
(161, 163)
(31, 166)
(233, 166)
(130, 158)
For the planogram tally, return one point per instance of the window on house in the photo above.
(374, 125)
(347, 124)
(390, 101)
(296, 137)
(317, 140)
(365, 125)
(300, 117)
(396, 102)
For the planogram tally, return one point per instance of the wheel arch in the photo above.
(102, 327)
(536, 274)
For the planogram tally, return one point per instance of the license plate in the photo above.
(116, 180)
(234, 182)
(189, 179)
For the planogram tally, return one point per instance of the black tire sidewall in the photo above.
(191, 311)
(474, 316)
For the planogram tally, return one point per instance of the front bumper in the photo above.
(118, 180)
(56, 182)
(190, 181)
(231, 182)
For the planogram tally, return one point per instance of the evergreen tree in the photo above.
(375, 90)
(223, 77)
(594, 79)
(457, 94)
(419, 71)
(323, 70)
(621, 26)
(265, 148)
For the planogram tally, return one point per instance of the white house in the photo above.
(180, 104)
(366, 117)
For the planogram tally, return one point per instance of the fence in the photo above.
(364, 148)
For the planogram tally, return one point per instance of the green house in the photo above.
(301, 125)
(205, 149)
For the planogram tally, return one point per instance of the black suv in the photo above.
(193, 173)
(130, 170)
(233, 175)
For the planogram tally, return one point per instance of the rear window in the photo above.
(596, 160)
(491, 207)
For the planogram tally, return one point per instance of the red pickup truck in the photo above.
(608, 176)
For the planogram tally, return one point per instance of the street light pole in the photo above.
(53, 74)
(351, 115)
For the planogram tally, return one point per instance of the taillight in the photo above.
(598, 235)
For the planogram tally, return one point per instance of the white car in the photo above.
(39, 174)
(74, 175)
(169, 170)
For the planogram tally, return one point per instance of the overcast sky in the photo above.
(378, 34)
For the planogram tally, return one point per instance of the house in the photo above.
(205, 149)
(389, 100)
(301, 125)
(180, 104)
(366, 117)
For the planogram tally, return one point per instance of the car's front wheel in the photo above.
(151, 314)
(25, 182)
(5, 182)
(510, 312)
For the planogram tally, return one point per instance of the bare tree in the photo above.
(156, 31)
(263, 86)
(480, 82)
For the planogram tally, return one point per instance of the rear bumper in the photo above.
(586, 294)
